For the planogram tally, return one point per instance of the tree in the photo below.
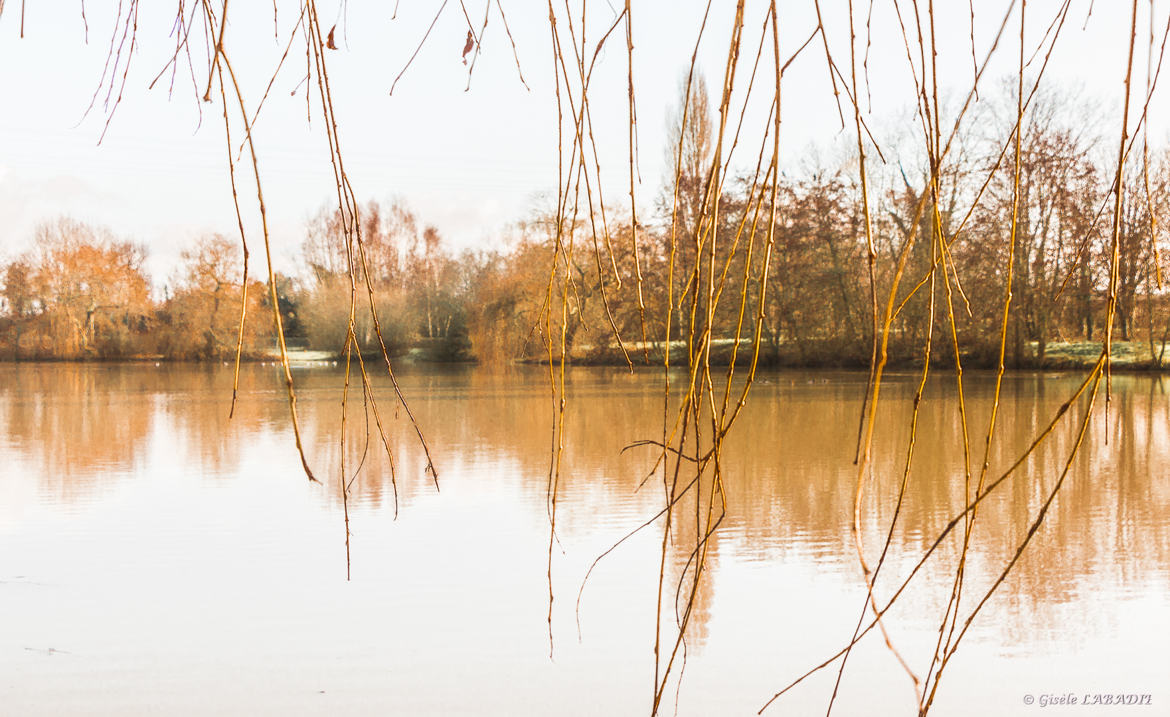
(381, 259)
(816, 286)
(1060, 190)
(82, 292)
(18, 304)
(1141, 214)
(201, 319)
(688, 150)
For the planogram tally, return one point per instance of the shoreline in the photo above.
(1123, 362)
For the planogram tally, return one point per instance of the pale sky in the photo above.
(468, 162)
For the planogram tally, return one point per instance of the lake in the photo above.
(159, 558)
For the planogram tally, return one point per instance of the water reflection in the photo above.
(77, 430)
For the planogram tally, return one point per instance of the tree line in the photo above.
(80, 292)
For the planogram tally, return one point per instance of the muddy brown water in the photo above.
(159, 558)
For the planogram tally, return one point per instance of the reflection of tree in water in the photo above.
(1109, 525)
(484, 418)
(788, 495)
(679, 578)
(85, 424)
(82, 425)
(198, 406)
(1107, 519)
(496, 425)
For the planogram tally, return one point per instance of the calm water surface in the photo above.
(157, 558)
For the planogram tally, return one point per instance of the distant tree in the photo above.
(382, 258)
(386, 232)
(437, 291)
(200, 319)
(1142, 215)
(506, 297)
(688, 148)
(80, 293)
(685, 197)
(816, 292)
(18, 306)
(1060, 191)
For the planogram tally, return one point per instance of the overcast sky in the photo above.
(468, 162)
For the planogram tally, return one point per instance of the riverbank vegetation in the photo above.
(81, 293)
